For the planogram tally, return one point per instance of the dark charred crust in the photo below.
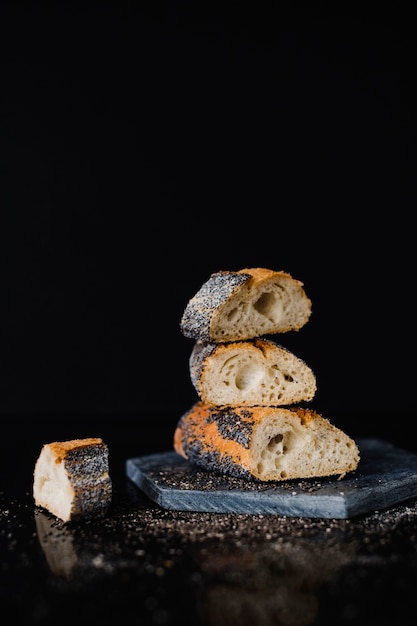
(92, 501)
(213, 460)
(201, 352)
(88, 472)
(83, 462)
(231, 426)
(195, 321)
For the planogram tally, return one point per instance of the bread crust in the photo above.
(251, 302)
(256, 372)
(71, 479)
(264, 443)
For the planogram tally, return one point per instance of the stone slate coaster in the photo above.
(386, 476)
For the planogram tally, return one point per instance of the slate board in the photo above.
(386, 476)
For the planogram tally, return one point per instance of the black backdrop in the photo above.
(145, 148)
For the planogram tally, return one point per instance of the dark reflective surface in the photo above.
(154, 566)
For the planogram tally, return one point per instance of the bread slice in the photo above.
(248, 373)
(71, 479)
(264, 443)
(234, 306)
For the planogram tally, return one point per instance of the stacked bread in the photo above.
(248, 421)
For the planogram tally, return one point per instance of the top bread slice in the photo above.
(239, 305)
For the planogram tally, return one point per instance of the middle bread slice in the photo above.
(256, 372)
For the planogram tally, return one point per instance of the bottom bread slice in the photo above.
(264, 443)
(71, 479)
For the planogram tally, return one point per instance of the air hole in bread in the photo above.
(276, 444)
(273, 397)
(237, 313)
(266, 305)
(248, 376)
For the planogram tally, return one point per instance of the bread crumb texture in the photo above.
(71, 479)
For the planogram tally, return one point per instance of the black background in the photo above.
(145, 147)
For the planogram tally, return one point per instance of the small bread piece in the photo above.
(71, 479)
(234, 306)
(264, 443)
(249, 373)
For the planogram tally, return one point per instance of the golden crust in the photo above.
(60, 449)
(259, 274)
